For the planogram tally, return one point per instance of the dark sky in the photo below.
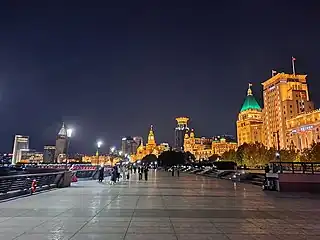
(112, 68)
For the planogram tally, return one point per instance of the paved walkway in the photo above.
(167, 208)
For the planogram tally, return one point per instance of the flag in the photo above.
(273, 72)
(293, 58)
(250, 84)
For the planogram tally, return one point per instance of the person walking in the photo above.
(140, 173)
(146, 173)
(114, 176)
(172, 171)
(178, 172)
(101, 173)
(118, 173)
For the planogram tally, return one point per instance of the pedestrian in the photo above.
(146, 173)
(178, 172)
(113, 176)
(140, 173)
(172, 173)
(118, 173)
(128, 175)
(101, 173)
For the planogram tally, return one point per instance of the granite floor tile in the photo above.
(98, 236)
(150, 237)
(44, 236)
(165, 207)
(198, 236)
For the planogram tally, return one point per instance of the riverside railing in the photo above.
(296, 167)
(15, 185)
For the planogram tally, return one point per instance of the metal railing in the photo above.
(296, 167)
(15, 185)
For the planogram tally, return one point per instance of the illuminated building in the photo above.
(285, 96)
(61, 144)
(203, 148)
(101, 159)
(150, 148)
(30, 156)
(219, 146)
(200, 147)
(20, 142)
(180, 130)
(250, 123)
(303, 130)
(129, 145)
(164, 147)
(48, 154)
(138, 140)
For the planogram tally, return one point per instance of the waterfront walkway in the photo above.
(168, 208)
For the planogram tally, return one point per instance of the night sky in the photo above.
(112, 69)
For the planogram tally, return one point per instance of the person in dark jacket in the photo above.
(114, 175)
(101, 174)
(146, 170)
(140, 170)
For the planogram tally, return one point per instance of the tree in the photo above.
(312, 154)
(213, 157)
(189, 157)
(239, 157)
(253, 154)
(150, 158)
(288, 155)
(171, 158)
(229, 155)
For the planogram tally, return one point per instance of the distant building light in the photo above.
(123, 139)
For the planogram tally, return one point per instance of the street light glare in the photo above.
(69, 132)
(113, 149)
(99, 143)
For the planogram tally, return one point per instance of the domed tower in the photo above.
(250, 123)
(151, 144)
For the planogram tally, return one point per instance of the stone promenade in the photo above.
(167, 208)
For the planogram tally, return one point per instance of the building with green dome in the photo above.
(250, 122)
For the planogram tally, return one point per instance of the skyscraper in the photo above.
(61, 143)
(48, 154)
(129, 145)
(20, 142)
(285, 96)
(180, 130)
(138, 140)
(250, 123)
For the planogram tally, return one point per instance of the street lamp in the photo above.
(69, 135)
(120, 153)
(99, 144)
(112, 149)
(69, 132)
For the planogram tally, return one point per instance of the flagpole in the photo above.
(293, 68)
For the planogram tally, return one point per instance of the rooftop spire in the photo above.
(250, 103)
(151, 137)
(249, 90)
(63, 130)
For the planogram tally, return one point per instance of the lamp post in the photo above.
(112, 149)
(276, 134)
(99, 144)
(69, 135)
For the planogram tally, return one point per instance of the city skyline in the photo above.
(112, 70)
